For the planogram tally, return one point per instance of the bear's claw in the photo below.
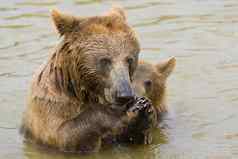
(141, 105)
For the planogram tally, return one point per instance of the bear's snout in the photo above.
(124, 93)
(122, 90)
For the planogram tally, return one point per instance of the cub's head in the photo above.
(150, 80)
(97, 55)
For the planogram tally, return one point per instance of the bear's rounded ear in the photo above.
(117, 11)
(166, 67)
(64, 23)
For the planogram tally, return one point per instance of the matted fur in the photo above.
(63, 87)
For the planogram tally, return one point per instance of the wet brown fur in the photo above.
(65, 86)
(157, 74)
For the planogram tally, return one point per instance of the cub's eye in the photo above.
(148, 83)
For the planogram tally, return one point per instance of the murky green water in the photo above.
(203, 91)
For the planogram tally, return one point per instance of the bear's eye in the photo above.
(105, 62)
(148, 83)
(130, 61)
(104, 65)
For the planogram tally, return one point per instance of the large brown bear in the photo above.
(149, 80)
(83, 95)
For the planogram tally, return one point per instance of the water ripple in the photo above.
(146, 5)
(19, 43)
(28, 15)
(13, 74)
(155, 21)
(84, 2)
(5, 9)
(10, 46)
(16, 26)
(38, 4)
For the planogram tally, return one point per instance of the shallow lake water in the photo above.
(203, 90)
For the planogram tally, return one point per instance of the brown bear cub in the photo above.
(83, 94)
(149, 80)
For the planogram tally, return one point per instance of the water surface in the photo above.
(203, 91)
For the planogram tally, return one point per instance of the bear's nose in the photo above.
(124, 98)
(124, 95)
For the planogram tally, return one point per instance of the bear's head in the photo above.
(150, 80)
(96, 57)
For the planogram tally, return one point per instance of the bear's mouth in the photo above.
(119, 103)
(123, 101)
(123, 105)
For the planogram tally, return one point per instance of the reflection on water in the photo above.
(117, 152)
(203, 91)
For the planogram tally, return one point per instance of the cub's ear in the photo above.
(117, 11)
(64, 23)
(166, 67)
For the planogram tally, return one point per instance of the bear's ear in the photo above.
(166, 67)
(64, 23)
(117, 11)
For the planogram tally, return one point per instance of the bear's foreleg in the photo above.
(139, 129)
(86, 132)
